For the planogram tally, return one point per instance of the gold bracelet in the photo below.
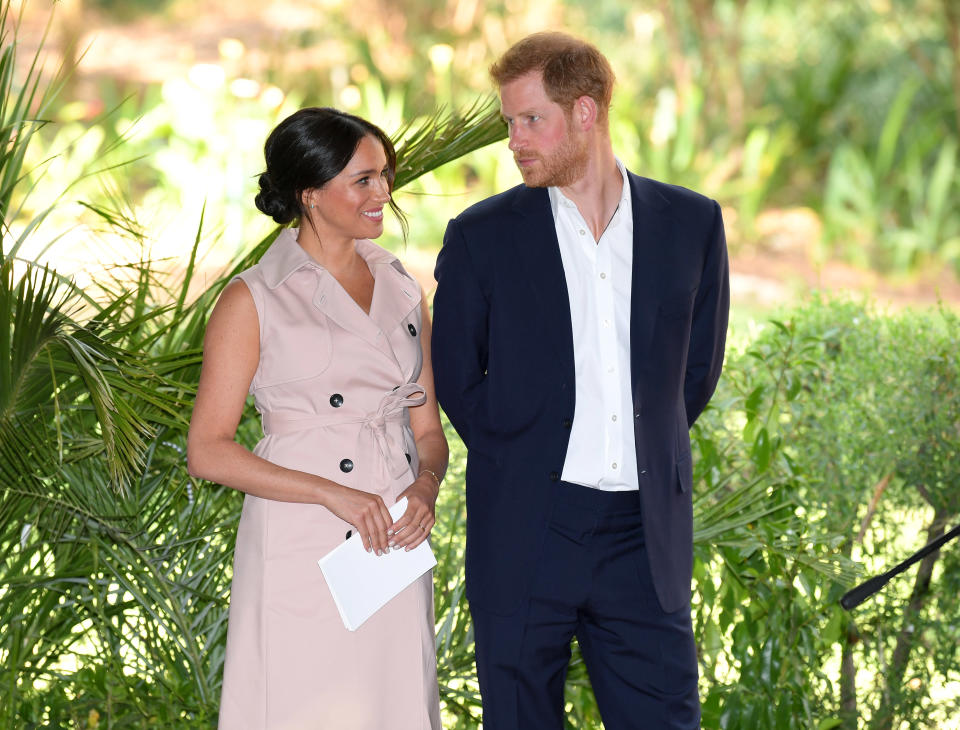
(431, 473)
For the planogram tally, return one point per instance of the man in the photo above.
(579, 327)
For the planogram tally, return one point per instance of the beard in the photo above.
(566, 164)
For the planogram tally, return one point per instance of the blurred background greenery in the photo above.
(828, 130)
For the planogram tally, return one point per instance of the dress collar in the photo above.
(286, 256)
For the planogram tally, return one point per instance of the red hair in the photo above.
(570, 68)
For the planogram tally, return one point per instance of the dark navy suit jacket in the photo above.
(504, 371)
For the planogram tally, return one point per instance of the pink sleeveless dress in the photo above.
(333, 387)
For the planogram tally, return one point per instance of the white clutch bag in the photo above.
(362, 582)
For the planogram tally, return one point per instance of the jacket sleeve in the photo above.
(708, 332)
(460, 336)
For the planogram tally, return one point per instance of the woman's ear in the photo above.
(308, 198)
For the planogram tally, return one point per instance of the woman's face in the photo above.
(351, 205)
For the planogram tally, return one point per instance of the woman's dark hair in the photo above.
(307, 150)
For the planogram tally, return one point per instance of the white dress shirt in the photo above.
(602, 452)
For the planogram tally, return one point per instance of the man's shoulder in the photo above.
(493, 209)
(662, 194)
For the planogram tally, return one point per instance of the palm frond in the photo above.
(23, 105)
(75, 377)
(141, 577)
(731, 515)
(445, 136)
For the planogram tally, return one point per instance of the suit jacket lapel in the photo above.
(651, 231)
(538, 252)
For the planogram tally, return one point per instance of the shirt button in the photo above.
(603, 275)
(336, 400)
(413, 330)
(346, 466)
(614, 465)
(613, 417)
(408, 457)
(583, 232)
(606, 323)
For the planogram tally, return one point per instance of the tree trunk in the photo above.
(69, 26)
(952, 12)
(848, 678)
(679, 64)
(883, 719)
(722, 80)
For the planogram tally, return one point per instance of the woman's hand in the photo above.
(366, 512)
(415, 524)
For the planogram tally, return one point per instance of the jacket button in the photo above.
(567, 423)
(336, 400)
(413, 330)
(643, 472)
(554, 477)
(346, 466)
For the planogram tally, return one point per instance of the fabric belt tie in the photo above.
(381, 432)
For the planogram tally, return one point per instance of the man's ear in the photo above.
(585, 112)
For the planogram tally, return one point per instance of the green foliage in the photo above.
(128, 9)
(896, 216)
(833, 403)
(832, 438)
(442, 138)
(22, 108)
(850, 109)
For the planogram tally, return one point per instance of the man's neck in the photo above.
(597, 194)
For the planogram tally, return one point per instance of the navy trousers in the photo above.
(593, 581)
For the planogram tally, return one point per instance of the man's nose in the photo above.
(516, 139)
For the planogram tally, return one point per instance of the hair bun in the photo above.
(274, 203)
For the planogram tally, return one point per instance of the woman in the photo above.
(332, 337)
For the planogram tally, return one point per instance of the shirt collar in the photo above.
(286, 256)
(557, 198)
